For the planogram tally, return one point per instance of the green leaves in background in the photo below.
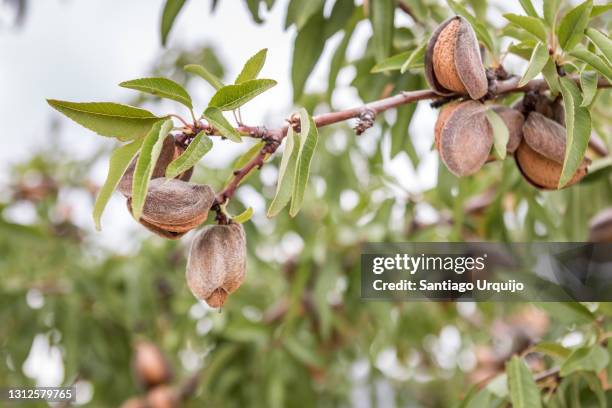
(551, 76)
(198, 147)
(594, 61)
(171, 11)
(286, 174)
(231, 97)
(572, 25)
(602, 42)
(309, 135)
(501, 134)
(588, 84)
(215, 117)
(149, 153)
(162, 87)
(252, 67)
(532, 25)
(594, 359)
(528, 7)
(415, 60)
(107, 118)
(578, 129)
(539, 58)
(120, 159)
(524, 392)
(300, 11)
(205, 74)
(393, 63)
(550, 8)
(481, 30)
(307, 49)
(243, 216)
(382, 13)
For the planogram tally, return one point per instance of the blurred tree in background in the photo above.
(297, 333)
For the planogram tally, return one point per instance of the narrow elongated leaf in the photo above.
(524, 392)
(341, 16)
(171, 10)
(393, 63)
(162, 87)
(307, 49)
(539, 58)
(585, 359)
(572, 25)
(231, 97)
(309, 135)
(550, 8)
(252, 67)
(501, 134)
(599, 9)
(381, 16)
(286, 174)
(528, 7)
(107, 118)
(216, 118)
(205, 74)
(120, 159)
(244, 216)
(400, 135)
(532, 25)
(300, 11)
(595, 61)
(198, 147)
(338, 58)
(588, 83)
(551, 76)
(578, 129)
(601, 41)
(415, 59)
(149, 153)
(481, 30)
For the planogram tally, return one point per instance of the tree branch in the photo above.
(274, 137)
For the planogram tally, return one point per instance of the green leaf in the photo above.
(382, 13)
(393, 63)
(501, 134)
(198, 147)
(286, 174)
(593, 358)
(120, 159)
(481, 30)
(572, 25)
(568, 312)
(338, 58)
(524, 392)
(602, 42)
(599, 9)
(309, 135)
(205, 74)
(550, 8)
(252, 67)
(300, 11)
(588, 83)
(539, 58)
(151, 148)
(594, 384)
(231, 97)
(532, 25)
(552, 349)
(107, 118)
(171, 10)
(215, 117)
(245, 158)
(578, 129)
(400, 136)
(244, 216)
(307, 49)
(551, 76)
(528, 7)
(162, 87)
(415, 59)
(595, 61)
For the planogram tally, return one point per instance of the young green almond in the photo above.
(600, 227)
(463, 137)
(453, 62)
(170, 151)
(540, 155)
(174, 207)
(217, 263)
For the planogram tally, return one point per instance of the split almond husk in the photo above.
(600, 227)
(174, 207)
(463, 137)
(541, 154)
(217, 263)
(453, 63)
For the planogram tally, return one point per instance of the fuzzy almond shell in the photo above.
(541, 171)
(465, 139)
(175, 205)
(217, 262)
(453, 62)
(514, 120)
(150, 365)
(163, 396)
(169, 152)
(443, 116)
(545, 136)
(600, 227)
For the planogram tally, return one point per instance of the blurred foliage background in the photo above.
(297, 333)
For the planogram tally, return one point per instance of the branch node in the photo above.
(365, 120)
